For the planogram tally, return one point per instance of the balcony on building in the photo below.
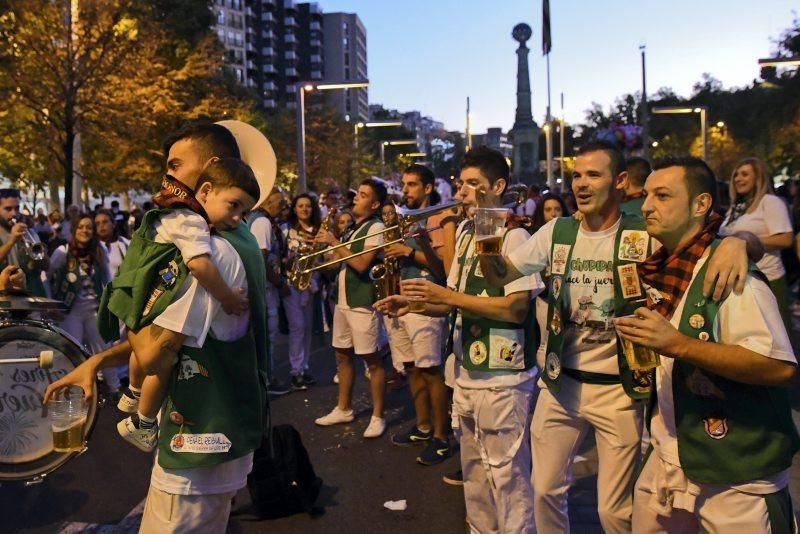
(290, 38)
(270, 86)
(266, 16)
(250, 47)
(290, 22)
(316, 42)
(316, 58)
(251, 64)
(267, 51)
(288, 5)
(315, 25)
(267, 34)
(269, 103)
(249, 12)
(291, 71)
(316, 74)
(269, 69)
(290, 54)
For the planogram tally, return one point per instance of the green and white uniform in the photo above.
(495, 376)
(588, 386)
(721, 449)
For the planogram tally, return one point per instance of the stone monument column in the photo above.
(525, 133)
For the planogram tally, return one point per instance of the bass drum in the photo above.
(26, 440)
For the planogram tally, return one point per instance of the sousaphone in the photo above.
(256, 151)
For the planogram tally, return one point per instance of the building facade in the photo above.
(345, 59)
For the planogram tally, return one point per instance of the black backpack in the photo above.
(283, 481)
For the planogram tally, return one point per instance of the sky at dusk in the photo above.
(430, 55)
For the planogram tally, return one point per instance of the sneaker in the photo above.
(298, 384)
(142, 438)
(308, 379)
(128, 403)
(454, 479)
(376, 427)
(276, 389)
(336, 417)
(413, 436)
(436, 452)
(336, 378)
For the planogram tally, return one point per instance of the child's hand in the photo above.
(236, 303)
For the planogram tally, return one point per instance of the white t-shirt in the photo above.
(195, 312)
(370, 242)
(770, 217)
(186, 230)
(590, 342)
(261, 228)
(750, 320)
(116, 253)
(469, 379)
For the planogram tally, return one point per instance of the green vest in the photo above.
(147, 281)
(633, 206)
(489, 345)
(67, 280)
(33, 274)
(215, 409)
(631, 245)
(358, 289)
(728, 432)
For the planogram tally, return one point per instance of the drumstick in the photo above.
(45, 360)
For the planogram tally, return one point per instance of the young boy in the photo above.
(172, 242)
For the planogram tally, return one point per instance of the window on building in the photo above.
(347, 60)
(221, 17)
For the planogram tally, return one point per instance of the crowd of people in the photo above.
(632, 255)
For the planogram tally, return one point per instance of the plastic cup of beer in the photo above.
(639, 357)
(67, 416)
(490, 226)
(416, 304)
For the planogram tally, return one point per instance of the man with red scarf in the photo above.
(721, 425)
(587, 383)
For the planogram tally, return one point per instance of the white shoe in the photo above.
(142, 438)
(377, 425)
(128, 403)
(336, 417)
(336, 378)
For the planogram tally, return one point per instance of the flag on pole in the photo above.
(547, 42)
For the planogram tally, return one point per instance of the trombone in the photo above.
(405, 219)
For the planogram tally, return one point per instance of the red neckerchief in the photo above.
(671, 274)
(176, 194)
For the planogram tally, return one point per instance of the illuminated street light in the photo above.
(393, 143)
(702, 110)
(779, 61)
(302, 89)
(356, 127)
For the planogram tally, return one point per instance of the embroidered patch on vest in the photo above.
(188, 368)
(559, 261)
(506, 349)
(552, 366)
(716, 428)
(642, 381)
(555, 286)
(629, 280)
(200, 443)
(555, 322)
(478, 352)
(697, 321)
(72, 278)
(633, 245)
(703, 336)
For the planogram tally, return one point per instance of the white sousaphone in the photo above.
(256, 151)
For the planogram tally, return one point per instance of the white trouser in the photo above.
(492, 428)
(714, 508)
(299, 306)
(560, 423)
(179, 514)
(81, 323)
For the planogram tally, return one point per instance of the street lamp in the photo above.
(702, 110)
(779, 61)
(302, 89)
(372, 124)
(384, 144)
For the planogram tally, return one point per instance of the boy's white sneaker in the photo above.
(336, 417)
(142, 438)
(128, 403)
(376, 427)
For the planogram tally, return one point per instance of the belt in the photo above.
(587, 377)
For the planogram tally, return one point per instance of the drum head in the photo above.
(26, 440)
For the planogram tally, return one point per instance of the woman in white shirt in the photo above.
(116, 246)
(755, 209)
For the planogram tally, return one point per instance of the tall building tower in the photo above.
(525, 131)
(231, 30)
(345, 58)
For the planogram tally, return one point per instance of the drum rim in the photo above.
(59, 459)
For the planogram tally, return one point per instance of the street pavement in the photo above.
(103, 490)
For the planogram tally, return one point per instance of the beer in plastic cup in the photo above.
(67, 417)
(415, 304)
(490, 226)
